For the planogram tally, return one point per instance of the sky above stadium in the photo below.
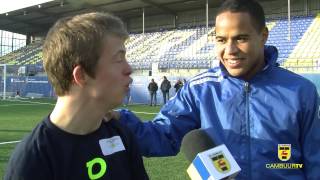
(11, 5)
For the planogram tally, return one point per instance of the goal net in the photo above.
(24, 81)
(3, 77)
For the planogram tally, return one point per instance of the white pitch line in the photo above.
(9, 142)
(30, 102)
(39, 103)
(143, 112)
(8, 105)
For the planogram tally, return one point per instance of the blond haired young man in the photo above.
(84, 57)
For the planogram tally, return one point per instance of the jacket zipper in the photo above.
(247, 91)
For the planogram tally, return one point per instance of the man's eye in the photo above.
(242, 40)
(220, 41)
(120, 58)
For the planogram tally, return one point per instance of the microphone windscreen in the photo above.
(194, 142)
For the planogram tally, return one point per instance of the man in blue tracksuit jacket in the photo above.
(252, 104)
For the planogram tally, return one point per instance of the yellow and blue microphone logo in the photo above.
(220, 162)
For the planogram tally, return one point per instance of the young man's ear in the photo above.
(79, 76)
(265, 34)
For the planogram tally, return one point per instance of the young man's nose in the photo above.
(231, 48)
(128, 69)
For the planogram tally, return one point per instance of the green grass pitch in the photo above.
(18, 118)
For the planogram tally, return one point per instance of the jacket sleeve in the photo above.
(310, 138)
(163, 135)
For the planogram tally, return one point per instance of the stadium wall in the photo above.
(40, 87)
(139, 89)
(35, 86)
(315, 78)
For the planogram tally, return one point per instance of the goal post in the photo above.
(3, 68)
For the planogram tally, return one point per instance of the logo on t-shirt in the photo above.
(96, 162)
(111, 145)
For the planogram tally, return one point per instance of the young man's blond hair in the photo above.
(77, 40)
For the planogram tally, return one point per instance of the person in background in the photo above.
(84, 58)
(254, 107)
(178, 85)
(153, 88)
(17, 94)
(128, 95)
(165, 88)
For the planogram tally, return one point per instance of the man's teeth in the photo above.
(232, 61)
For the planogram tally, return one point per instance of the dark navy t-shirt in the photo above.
(50, 153)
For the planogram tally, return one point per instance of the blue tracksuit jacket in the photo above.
(251, 117)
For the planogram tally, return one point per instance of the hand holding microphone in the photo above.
(208, 160)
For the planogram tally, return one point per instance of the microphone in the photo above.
(208, 161)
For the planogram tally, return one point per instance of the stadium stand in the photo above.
(306, 55)
(279, 35)
(26, 55)
(192, 49)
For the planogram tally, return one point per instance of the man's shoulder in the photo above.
(33, 141)
(212, 75)
(26, 156)
(118, 128)
(293, 78)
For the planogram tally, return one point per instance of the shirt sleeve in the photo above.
(310, 139)
(163, 135)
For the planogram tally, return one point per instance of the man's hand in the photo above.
(112, 115)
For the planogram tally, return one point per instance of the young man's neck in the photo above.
(76, 115)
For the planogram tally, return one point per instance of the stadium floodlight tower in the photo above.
(4, 79)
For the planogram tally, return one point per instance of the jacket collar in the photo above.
(270, 55)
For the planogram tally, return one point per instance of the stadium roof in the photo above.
(38, 18)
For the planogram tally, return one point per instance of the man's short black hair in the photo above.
(253, 8)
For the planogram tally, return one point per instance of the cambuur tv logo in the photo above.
(220, 162)
(284, 154)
